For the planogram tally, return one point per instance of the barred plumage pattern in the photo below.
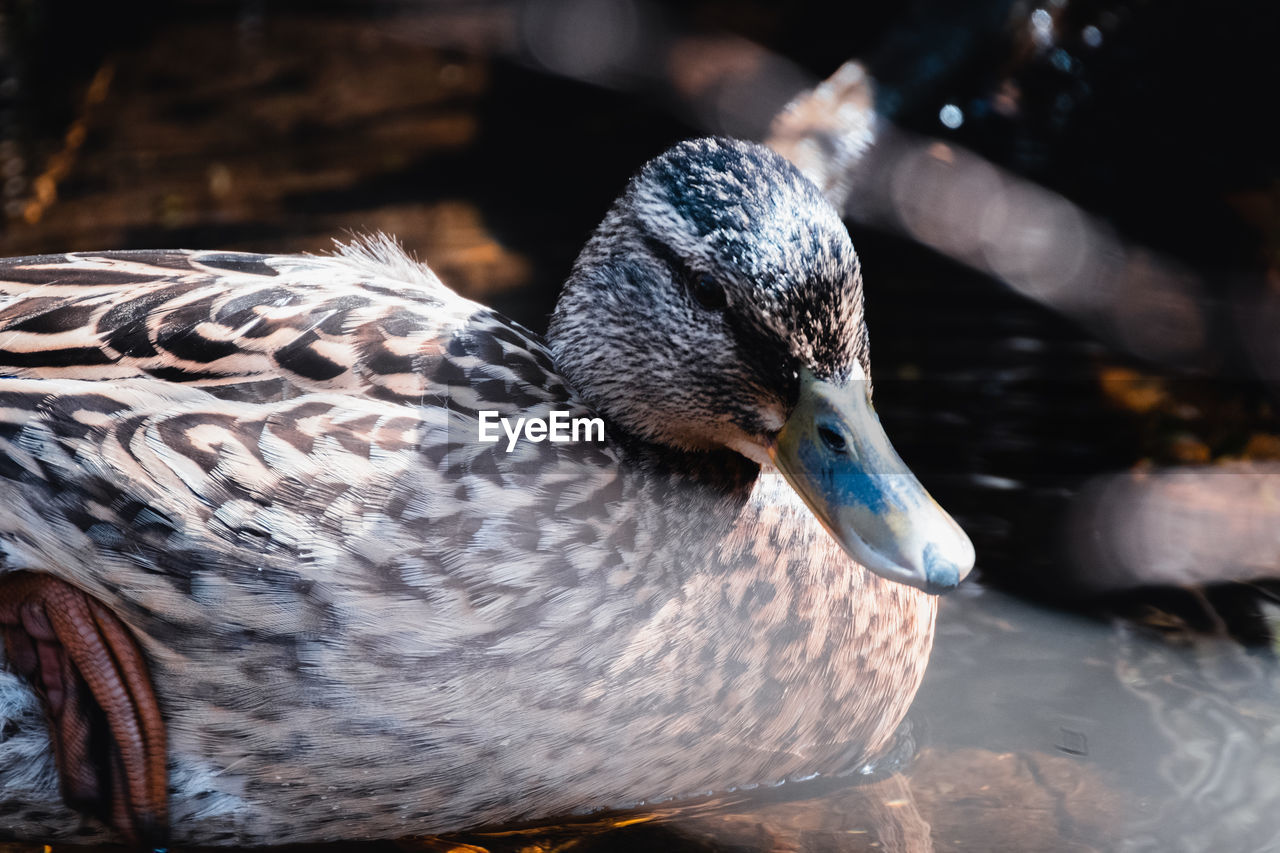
(363, 622)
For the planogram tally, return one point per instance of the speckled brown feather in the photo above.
(360, 621)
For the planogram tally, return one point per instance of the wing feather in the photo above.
(260, 327)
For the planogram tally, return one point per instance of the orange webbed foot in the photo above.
(105, 724)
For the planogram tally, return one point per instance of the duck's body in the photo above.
(359, 620)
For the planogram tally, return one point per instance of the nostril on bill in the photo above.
(833, 440)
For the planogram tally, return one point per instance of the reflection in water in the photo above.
(1157, 746)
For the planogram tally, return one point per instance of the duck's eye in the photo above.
(708, 293)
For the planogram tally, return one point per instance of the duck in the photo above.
(264, 577)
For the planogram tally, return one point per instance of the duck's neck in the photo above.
(720, 470)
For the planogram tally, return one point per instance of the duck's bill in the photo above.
(835, 454)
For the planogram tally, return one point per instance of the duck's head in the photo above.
(719, 306)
